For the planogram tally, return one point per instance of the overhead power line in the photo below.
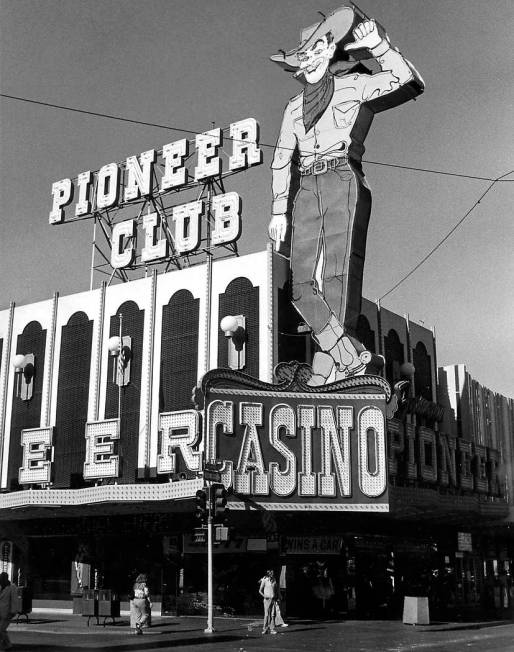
(452, 230)
(96, 113)
(190, 131)
(391, 165)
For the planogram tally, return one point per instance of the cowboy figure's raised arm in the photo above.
(281, 177)
(398, 79)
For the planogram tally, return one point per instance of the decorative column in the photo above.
(46, 398)
(97, 361)
(4, 378)
(147, 417)
(268, 322)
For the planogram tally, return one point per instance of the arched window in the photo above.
(179, 351)
(423, 373)
(393, 350)
(26, 414)
(364, 333)
(72, 400)
(132, 325)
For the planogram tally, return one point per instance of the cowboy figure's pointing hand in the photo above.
(277, 229)
(366, 36)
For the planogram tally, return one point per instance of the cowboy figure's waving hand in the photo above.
(365, 35)
(326, 125)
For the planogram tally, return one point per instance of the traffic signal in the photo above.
(219, 499)
(201, 505)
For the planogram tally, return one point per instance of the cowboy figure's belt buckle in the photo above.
(320, 167)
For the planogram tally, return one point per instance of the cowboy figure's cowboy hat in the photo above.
(340, 23)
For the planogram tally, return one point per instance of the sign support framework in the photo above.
(101, 248)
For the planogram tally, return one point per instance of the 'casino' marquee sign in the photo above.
(294, 447)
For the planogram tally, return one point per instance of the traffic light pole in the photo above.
(209, 629)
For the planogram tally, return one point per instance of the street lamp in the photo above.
(24, 375)
(121, 348)
(234, 327)
(114, 345)
(407, 370)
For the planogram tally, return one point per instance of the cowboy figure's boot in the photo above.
(323, 362)
(352, 357)
(345, 353)
(322, 365)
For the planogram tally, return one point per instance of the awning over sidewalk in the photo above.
(118, 496)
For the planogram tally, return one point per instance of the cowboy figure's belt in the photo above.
(323, 165)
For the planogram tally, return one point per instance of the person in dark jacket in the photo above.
(7, 609)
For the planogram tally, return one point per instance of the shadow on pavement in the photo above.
(437, 626)
(195, 642)
(37, 621)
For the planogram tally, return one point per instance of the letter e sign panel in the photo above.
(289, 446)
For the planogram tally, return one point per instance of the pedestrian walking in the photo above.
(268, 590)
(140, 604)
(7, 609)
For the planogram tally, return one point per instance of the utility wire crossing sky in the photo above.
(405, 167)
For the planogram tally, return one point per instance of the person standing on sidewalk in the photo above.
(268, 590)
(279, 620)
(7, 609)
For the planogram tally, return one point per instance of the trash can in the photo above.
(90, 604)
(108, 604)
(415, 610)
(23, 602)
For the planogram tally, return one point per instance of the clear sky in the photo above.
(191, 63)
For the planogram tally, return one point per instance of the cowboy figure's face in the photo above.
(314, 61)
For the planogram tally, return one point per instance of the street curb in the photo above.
(455, 626)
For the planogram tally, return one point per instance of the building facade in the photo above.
(102, 453)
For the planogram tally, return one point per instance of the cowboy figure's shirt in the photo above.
(332, 135)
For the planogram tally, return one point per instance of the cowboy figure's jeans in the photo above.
(330, 221)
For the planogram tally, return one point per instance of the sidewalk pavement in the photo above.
(66, 632)
(63, 622)
(56, 622)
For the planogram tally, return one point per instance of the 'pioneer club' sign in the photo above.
(154, 173)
